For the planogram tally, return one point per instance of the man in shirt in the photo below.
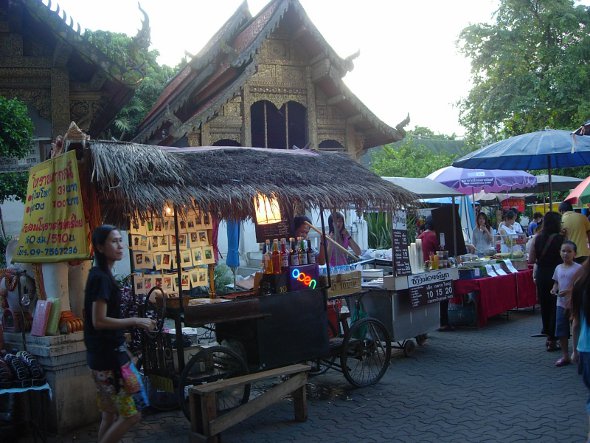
(537, 217)
(577, 229)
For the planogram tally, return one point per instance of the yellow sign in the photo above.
(54, 228)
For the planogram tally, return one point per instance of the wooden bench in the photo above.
(206, 425)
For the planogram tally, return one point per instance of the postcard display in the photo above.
(153, 253)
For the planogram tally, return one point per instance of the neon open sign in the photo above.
(303, 278)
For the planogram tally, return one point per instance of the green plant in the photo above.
(3, 243)
(223, 276)
(380, 229)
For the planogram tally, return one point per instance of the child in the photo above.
(563, 278)
(581, 326)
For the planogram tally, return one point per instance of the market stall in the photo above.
(408, 300)
(166, 194)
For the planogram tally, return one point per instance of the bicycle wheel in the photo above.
(212, 364)
(366, 351)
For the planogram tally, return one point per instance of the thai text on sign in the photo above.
(54, 228)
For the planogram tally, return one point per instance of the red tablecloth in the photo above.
(499, 294)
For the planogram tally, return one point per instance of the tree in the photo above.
(530, 69)
(16, 135)
(118, 46)
(411, 157)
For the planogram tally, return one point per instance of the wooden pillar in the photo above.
(312, 122)
(60, 101)
(246, 117)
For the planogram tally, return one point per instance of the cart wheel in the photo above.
(409, 347)
(421, 339)
(365, 353)
(212, 364)
(154, 307)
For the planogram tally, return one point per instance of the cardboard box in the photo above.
(343, 284)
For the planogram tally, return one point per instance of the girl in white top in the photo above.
(509, 231)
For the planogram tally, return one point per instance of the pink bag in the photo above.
(131, 379)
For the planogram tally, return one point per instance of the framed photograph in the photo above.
(149, 227)
(148, 260)
(194, 274)
(168, 226)
(203, 238)
(138, 284)
(190, 224)
(138, 260)
(207, 223)
(166, 260)
(203, 277)
(198, 220)
(183, 241)
(158, 281)
(158, 226)
(186, 281)
(159, 261)
(139, 242)
(193, 239)
(168, 283)
(137, 227)
(198, 256)
(182, 225)
(187, 258)
(208, 256)
(148, 282)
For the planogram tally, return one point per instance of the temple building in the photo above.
(46, 62)
(266, 81)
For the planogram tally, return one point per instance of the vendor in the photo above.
(509, 232)
(482, 236)
(339, 234)
(301, 226)
(429, 239)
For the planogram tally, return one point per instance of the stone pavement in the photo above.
(495, 384)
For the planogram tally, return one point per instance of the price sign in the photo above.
(431, 287)
(399, 247)
(272, 231)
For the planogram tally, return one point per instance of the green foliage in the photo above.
(16, 128)
(13, 185)
(3, 244)
(223, 277)
(379, 228)
(119, 46)
(411, 158)
(530, 70)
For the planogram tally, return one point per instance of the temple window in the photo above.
(331, 145)
(278, 128)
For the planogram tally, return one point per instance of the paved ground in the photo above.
(495, 384)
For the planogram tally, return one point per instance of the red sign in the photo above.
(514, 202)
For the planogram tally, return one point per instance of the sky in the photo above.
(408, 63)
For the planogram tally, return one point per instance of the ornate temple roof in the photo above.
(117, 82)
(219, 71)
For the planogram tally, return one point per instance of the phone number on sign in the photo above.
(47, 251)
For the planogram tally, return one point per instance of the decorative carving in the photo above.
(37, 98)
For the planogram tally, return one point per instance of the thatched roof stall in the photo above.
(134, 178)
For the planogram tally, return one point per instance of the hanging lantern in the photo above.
(267, 210)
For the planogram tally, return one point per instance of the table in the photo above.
(499, 294)
(37, 411)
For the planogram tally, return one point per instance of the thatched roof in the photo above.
(134, 178)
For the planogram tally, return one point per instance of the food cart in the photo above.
(150, 187)
(407, 300)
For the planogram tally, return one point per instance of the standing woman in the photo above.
(338, 233)
(545, 255)
(482, 236)
(104, 336)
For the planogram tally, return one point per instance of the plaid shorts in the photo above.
(109, 398)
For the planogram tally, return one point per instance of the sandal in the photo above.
(552, 346)
(562, 362)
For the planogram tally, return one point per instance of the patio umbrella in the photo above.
(546, 149)
(581, 193)
(471, 181)
(233, 243)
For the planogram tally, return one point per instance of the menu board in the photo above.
(399, 247)
(272, 231)
(430, 287)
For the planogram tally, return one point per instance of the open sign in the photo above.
(303, 278)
